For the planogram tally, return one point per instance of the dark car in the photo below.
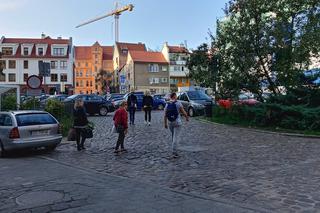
(195, 102)
(159, 101)
(114, 97)
(94, 104)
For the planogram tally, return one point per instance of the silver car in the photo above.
(28, 129)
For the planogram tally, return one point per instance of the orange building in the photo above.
(89, 62)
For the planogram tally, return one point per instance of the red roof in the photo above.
(107, 52)
(147, 57)
(82, 53)
(177, 49)
(131, 46)
(47, 40)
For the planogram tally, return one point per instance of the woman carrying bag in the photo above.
(147, 103)
(80, 123)
(121, 124)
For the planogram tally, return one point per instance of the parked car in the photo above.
(114, 97)
(94, 104)
(158, 101)
(247, 100)
(60, 98)
(28, 129)
(195, 102)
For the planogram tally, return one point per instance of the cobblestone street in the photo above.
(269, 171)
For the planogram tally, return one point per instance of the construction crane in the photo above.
(116, 13)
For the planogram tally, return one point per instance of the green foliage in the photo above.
(272, 115)
(30, 104)
(261, 39)
(55, 108)
(9, 102)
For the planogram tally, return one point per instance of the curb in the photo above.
(262, 131)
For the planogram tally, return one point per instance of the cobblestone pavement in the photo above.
(269, 171)
(39, 185)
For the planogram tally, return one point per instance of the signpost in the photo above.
(34, 84)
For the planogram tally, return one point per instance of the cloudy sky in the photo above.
(152, 21)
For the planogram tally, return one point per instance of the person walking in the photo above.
(80, 122)
(172, 114)
(132, 104)
(120, 119)
(147, 103)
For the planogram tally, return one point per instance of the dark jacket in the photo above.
(147, 101)
(132, 100)
(80, 117)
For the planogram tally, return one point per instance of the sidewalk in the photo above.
(36, 184)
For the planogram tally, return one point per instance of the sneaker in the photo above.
(149, 123)
(124, 150)
(145, 122)
(175, 155)
(116, 151)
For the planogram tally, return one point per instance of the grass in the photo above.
(66, 123)
(241, 123)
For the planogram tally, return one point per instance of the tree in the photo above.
(266, 43)
(104, 79)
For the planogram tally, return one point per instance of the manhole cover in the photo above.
(193, 148)
(38, 198)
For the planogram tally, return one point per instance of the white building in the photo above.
(21, 56)
(177, 57)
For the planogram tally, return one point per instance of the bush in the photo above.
(30, 104)
(9, 103)
(273, 115)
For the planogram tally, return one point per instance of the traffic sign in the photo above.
(34, 82)
(34, 92)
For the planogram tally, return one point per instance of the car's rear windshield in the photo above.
(31, 119)
(198, 95)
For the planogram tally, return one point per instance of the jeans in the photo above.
(79, 138)
(132, 111)
(175, 136)
(120, 140)
(147, 114)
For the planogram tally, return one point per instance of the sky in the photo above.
(152, 22)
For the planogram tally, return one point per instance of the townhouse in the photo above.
(177, 57)
(146, 70)
(93, 69)
(21, 57)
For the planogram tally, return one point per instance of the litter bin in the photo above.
(208, 110)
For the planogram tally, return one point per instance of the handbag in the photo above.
(120, 128)
(87, 132)
(114, 129)
(71, 134)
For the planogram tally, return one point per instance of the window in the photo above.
(54, 77)
(153, 68)
(63, 77)
(86, 64)
(176, 68)
(154, 80)
(77, 83)
(87, 74)
(164, 80)
(26, 64)
(91, 84)
(12, 64)
(3, 64)
(25, 51)
(7, 50)
(124, 51)
(54, 64)
(35, 119)
(5, 120)
(81, 83)
(40, 51)
(63, 64)
(87, 84)
(77, 73)
(25, 77)
(184, 81)
(12, 77)
(2, 77)
(79, 64)
(164, 68)
(58, 51)
(80, 73)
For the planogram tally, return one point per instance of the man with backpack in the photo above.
(172, 113)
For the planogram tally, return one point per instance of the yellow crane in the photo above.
(116, 13)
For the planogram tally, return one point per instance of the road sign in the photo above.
(34, 82)
(44, 69)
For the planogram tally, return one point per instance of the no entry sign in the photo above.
(34, 82)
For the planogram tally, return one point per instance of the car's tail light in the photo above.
(14, 133)
(59, 129)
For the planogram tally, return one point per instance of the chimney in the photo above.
(43, 36)
(59, 37)
(166, 44)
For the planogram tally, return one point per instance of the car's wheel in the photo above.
(191, 112)
(51, 148)
(161, 107)
(2, 151)
(103, 111)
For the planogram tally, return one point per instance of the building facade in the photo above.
(146, 71)
(177, 57)
(21, 57)
(93, 68)
(120, 58)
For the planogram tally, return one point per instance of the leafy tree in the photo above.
(103, 79)
(266, 43)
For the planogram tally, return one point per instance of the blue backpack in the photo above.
(172, 111)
